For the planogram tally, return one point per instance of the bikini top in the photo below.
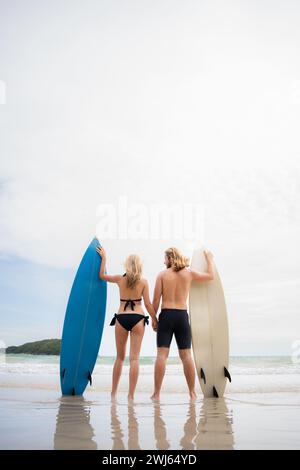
(130, 302)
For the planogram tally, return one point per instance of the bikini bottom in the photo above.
(129, 320)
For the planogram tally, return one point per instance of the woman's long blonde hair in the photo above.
(133, 266)
(177, 260)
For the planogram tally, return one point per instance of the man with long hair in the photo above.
(172, 287)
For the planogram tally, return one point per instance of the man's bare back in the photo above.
(175, 288)
(172, 287)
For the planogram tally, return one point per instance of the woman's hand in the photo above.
(101, 252)
(208, 255)
(154, 324)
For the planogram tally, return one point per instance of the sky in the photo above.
(158, 104)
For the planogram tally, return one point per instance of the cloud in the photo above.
(116, 102)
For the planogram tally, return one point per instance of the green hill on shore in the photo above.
(46, 346)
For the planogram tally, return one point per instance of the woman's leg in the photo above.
(136, 337)
(121, 336)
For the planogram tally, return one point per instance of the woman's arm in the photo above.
(149, 305)
(106, 277)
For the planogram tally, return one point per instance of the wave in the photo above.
(250, 375)
(238, 366)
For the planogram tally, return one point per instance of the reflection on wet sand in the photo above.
(73, 428)
(133, 429)
(215, 425)
(189, 429)
(117, 433)
(213, 431)
(160, 430)
(206, 424)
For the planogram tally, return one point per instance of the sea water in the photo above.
(251, 374)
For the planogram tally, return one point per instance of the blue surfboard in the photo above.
(83, 324)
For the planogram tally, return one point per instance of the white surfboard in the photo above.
(209, 325)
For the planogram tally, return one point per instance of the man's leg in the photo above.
(159, 372)
(189, 370)
(184, 342)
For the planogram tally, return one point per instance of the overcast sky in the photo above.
(158, 103)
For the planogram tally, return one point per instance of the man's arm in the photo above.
(157, 293)
(206, 276)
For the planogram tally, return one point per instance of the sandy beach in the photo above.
(261, 410)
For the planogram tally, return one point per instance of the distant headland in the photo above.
(46, 346)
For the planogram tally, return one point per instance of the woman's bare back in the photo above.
(128, 293)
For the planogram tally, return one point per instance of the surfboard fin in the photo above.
(90, 377)
(215, 392)
(63, 373)
(226, 373)
(73, 391)
(202, 375)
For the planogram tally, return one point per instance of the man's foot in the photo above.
(155, 397)
(193, 395)
(113, 398)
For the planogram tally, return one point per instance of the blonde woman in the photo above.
(172, 287)
(130, 317)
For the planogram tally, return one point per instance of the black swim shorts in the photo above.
(173, 320)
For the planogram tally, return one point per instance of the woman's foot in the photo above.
(155, 397)
(193, 395)
(130, 398)
(113, 397)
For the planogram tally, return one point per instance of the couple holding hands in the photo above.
(171, 289)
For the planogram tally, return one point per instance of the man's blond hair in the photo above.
(177, 260)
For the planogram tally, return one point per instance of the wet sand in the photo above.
(42, 419)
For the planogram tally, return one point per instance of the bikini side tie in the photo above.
(113, 322)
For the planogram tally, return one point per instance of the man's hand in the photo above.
(208, 255)
(154, 324)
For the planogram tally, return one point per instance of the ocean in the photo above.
(249, 374)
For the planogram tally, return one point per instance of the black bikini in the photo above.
(129, 320)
